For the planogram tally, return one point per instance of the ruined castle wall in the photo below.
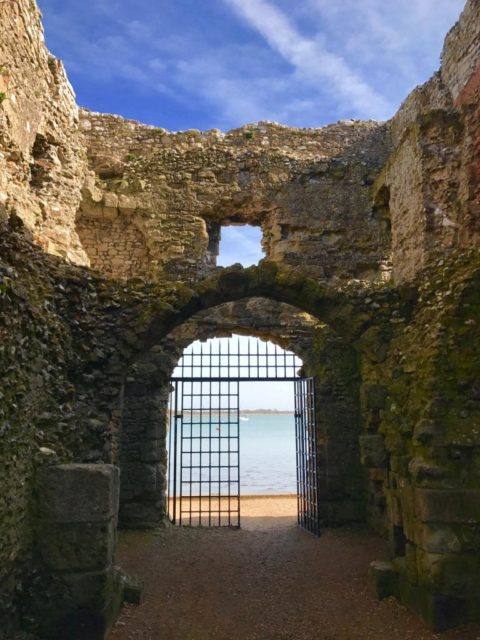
(148, 204)
(432, 174)
(308, 189)
(41, 160)
(461, 53)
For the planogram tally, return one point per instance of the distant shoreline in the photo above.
(249, 412)
(266, 412)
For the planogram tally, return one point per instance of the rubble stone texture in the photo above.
(108, 244)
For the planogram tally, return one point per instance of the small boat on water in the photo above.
(244, 418)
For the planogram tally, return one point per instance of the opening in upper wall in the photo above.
(381, 212)
(239, 243)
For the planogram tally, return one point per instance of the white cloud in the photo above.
(311, 59)
(315, 62)
(397, 43)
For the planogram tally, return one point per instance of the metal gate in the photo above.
(204, 431)
(306, 445)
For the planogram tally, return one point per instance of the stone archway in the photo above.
(326, 357)
(358, 314)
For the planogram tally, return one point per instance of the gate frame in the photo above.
(259, 367)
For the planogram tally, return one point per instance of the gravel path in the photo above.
(268, 581)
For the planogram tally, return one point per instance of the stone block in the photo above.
(440, 612)
(82, 546)
(78, 493)
(437, 538)
(372, 451)
(444, 612)
(383, 579)
(109, 213)
(127, 203)
(133, 589)
(96, 602)
(455, 574)
(432, 505)
(140, 515)
(110, 200)
(91, 211)
(376, 396)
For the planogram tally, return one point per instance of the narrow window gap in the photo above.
(240, 244)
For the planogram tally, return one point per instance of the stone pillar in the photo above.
(75, 539)
(340, 476)
(439, 573)
(143, 455)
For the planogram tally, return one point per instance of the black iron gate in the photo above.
(306, 446)
(204, 446)
(204, 432)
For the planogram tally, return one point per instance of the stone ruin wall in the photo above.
(418, 368)
(42, 162)
(163, 196)
(341, 202)
(432, 175)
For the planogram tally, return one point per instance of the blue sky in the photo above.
(240, 244)
(253, 395)
(223, 63)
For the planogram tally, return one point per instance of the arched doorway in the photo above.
(205, 430)
(325, 356)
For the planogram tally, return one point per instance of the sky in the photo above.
(253, 395)
(183, 64)
(240, 244)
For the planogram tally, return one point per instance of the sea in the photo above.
(267, 454)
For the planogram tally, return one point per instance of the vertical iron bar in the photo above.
(210, 442)
(228, 436)
(219, 436)
(304, 457)
(192, 405)
(180, 504)
(237, 388)
(200, 442)
(171, 409)
(297, 448)
(174, 452)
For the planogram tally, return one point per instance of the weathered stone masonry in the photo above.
(371, 229)
(164, 196)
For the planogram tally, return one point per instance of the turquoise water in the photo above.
(267, 454)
